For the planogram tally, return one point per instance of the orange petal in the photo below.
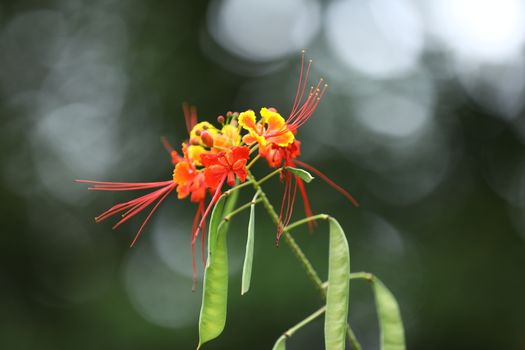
(249, 139)
(182, 173)
(183, 191)
(282, 140)
(247, 120)
(277, 131)
(266, 113)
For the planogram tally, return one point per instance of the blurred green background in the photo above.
(423, 123)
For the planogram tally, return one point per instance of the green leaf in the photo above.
(336, 317)
(390, 322)
(248, 256)
(303, 174)
(231, 201)
(215, 286)
(215, 220)
(280, 344)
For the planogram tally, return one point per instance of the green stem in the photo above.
(362, 275)
(239, 209)
(253, 161)
(296, 250)
(267, 177)
(354, 343)
(310, 318)
(305, 220)
(237, 187)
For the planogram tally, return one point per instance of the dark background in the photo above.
(423, 122)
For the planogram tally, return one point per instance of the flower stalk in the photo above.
(214, 162)
(310, 271)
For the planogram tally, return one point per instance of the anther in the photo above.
(198, 132)
(207, 139)
(194, 141)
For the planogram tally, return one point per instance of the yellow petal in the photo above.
(194, 154)
(201, 127)
(276, 131)
(282, 140)
(247, 120)
(266, 114)
(229, 137)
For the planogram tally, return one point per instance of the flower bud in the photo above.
(207, 139)
(220, 119)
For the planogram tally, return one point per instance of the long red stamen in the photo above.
(306, 110)
(190, 116)
(291, 201)
(328, 181)
(169, 148)
(198, 214)
(306, 203)
(302, 109)
(203, 235)
(139, 206)
(212, 202)
(134, 206)
(203, 223)
(287, 205)
(130, 205)
(123, 186)
(301, 86)
(280, 226)
(151, 213)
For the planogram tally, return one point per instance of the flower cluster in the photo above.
(214, 156)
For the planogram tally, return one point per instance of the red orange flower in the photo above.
(271, 129)
(225, 165)
(213, 156)
(278, 144)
